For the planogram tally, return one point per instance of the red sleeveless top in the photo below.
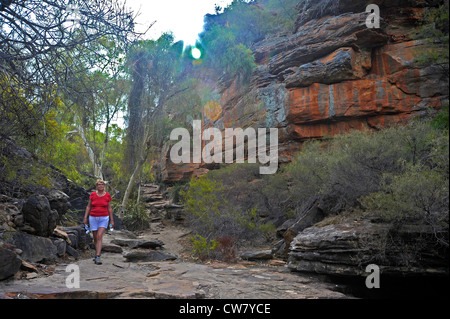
(99, 204)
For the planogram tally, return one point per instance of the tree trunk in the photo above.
(97, 168)
(136, 173)
(126, 196)
(135, 109)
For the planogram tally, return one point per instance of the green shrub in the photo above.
(136, 217)
(202, 247)
(308, 173)
(226, 54)
(441, 121)
(203, 200)
(398, 174)
(435, 32)
(21, 176)
(419, 193)
(277, 197)
(225, 203)
(357, 164)
(228, 36)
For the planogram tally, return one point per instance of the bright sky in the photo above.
(183, 17)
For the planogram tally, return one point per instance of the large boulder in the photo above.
(347, 247)
(310, 213)
(330, 34)
(66, 241)
(257, 255)
(78, 237)
(9, 263)
(75, 239)
(34, 248)
(344, 64)
(58, 201)
(39, 215)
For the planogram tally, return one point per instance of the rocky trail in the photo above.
(155, 264)
(120, 277)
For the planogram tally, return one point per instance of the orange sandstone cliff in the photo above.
(331, 75)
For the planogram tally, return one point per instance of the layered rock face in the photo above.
(332, 75)
(346, 248)
(335, 74)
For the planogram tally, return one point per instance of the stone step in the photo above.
(150, 188)
(158, 204)
(153, 197)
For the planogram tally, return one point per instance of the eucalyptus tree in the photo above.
(36, 38)
(155, 68)
(99, 91)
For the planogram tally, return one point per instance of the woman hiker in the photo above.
(100, 212)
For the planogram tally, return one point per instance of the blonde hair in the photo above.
(100, 181)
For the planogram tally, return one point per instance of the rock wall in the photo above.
(346, 248)
(30, 213)
(330, 76)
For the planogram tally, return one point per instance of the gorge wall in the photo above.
(331, 75)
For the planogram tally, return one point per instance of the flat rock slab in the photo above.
(111, 248)
(134, 274)
(257, 255)
(119, 279)
(148, 256)
(138, 243)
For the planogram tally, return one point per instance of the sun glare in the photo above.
(196, 53)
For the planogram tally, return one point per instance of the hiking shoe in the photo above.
(97, 260)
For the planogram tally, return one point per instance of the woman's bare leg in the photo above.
(98, 240)
(94, 235)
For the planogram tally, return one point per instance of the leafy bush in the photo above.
(226, 54)
(21, 176)
(398, 174)
(308, 173)
(202, 247)
(419, 192)
(441, 121)
(358, 164)
(435, 32)
(228, 36)
(226, 249)
(136, 217)
(224, 204)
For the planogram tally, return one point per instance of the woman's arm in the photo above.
(86, 214)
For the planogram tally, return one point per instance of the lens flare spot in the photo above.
(212, 110)
(196, 53)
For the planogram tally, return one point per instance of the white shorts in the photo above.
(97, 222)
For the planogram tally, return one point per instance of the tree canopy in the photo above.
(37, 42)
